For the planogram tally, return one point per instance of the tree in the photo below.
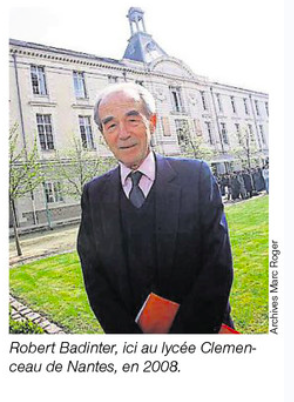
(246, 148)
(193, 146)
(25, 174)
(76, 166)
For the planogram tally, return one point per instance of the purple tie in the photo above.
(136, 195)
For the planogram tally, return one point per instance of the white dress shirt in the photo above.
(147, 168)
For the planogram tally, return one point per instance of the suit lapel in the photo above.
(113, 252)
(167, 212)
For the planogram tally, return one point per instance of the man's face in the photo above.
(126, 127)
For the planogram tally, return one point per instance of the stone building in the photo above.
(52, 94)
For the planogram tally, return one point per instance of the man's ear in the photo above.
(152, 123)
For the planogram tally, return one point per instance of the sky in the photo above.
(228, 41)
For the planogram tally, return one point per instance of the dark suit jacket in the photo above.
(193, 249)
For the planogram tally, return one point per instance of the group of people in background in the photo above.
(245, 183)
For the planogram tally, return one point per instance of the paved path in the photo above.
(41, 244)
(20, 312)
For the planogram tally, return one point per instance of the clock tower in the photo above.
(142, 47)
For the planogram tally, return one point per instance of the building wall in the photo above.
(65, 109)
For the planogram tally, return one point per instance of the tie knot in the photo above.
(135, 177)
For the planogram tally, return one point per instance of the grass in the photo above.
(54, 286)
(248, 223)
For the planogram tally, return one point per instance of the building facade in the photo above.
(53, 91)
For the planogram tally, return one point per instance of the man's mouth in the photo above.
(127, 146)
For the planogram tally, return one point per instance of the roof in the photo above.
(142, 47)
(52, 49)
(143, 44)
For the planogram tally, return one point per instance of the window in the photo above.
(219, 103)
(262, 134)
(38, 80)
(79, 85)
(233, 104)
(159, 125)
(112, 79)
(246, 106)
(182, 131)
(208, 130)
(166, 127)
(250, 129)
(257, 108)
(176, 99)
(237, 126)
(139, 83)
(45, 131)
(203, 98)
(53, 191)
(86, 132)
(266, 108)
(162, 127)
(224, 133)
(198, 127)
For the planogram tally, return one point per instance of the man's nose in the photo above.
(123, 132)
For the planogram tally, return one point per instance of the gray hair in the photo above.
(139, 92)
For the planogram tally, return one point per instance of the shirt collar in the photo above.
(147, 167)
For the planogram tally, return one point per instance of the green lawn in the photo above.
(248, 223)
(53, 286)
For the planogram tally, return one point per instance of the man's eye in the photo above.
(111, 126)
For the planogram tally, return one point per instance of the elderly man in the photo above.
(152, 225)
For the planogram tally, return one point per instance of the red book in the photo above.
(225, 329)
(157, 315)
